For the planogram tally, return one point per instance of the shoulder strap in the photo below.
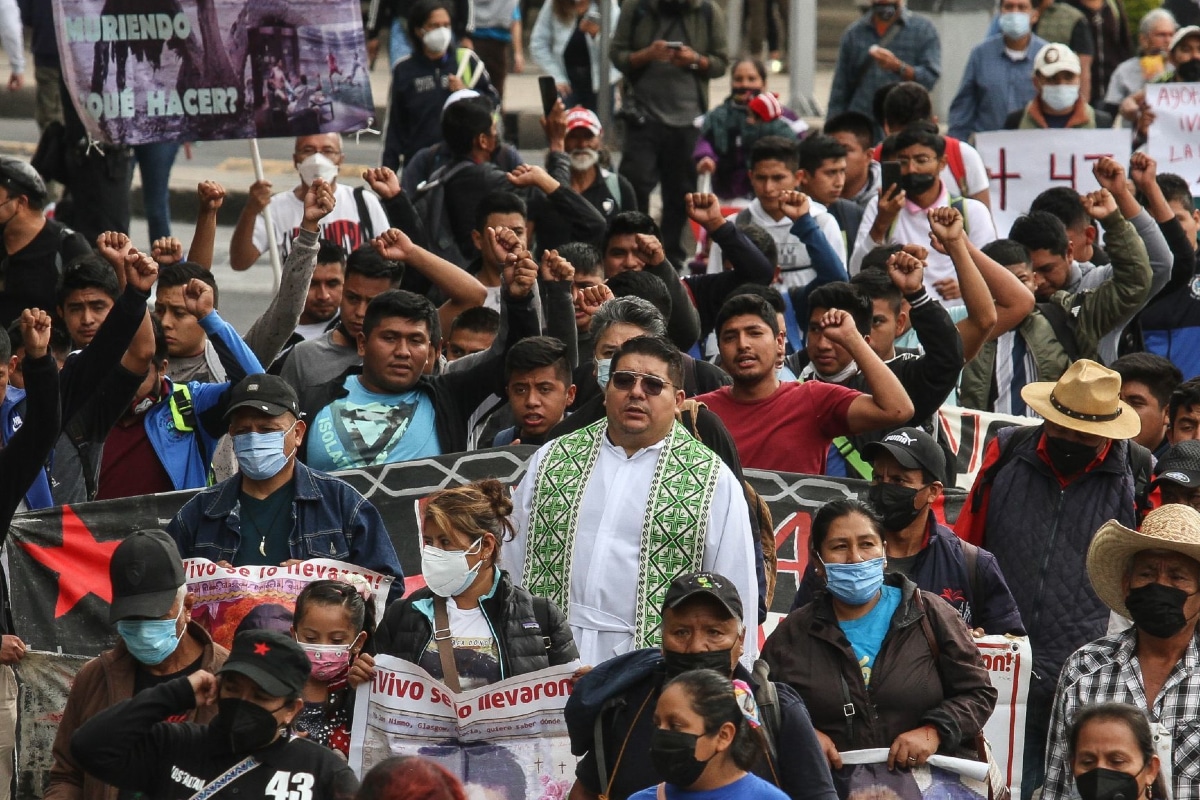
(1022, 434)
(227, 777)
(767, 699)
(1060, 322)
(688, 414)
(364, 214)
(959, 204)
(541, 613)
(927, 629)
(182, 410)
(971, 558)
(848, 451)
(613, 183)
(954, 161)
(1141, 464)
(75, 433)
(445, 644)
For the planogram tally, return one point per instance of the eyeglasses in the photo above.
(328, 152)
(652, 385)
(919, 161)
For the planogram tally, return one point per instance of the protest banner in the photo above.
(142, 71)
(58, 557)
(44, 681)
(226, 595)
(1023, 164)
(865, 776)
(507, 738)
(968, 431)
(1009, 662)
(1173, 139)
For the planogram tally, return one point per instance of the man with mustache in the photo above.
(603, 519)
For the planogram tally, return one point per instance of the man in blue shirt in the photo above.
(888, 45)
(999, 75)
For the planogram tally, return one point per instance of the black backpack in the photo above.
(430, 205)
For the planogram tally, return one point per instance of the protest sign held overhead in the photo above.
(1173, 139)
(165, 71)
(1023, 164)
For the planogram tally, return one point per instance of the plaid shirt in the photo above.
(1107, 670)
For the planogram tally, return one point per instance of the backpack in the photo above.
(613, 184)
(430, 206)
(1138, 458)
(1060, 322)
(760, 512)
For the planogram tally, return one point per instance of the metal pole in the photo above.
(802, 56)
(734, 12)
(272, 245)
(603, 91)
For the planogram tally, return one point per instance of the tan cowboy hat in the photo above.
(1173, 527)
(1086, 399)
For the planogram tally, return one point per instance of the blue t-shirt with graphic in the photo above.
(364, 428)
(866, 633)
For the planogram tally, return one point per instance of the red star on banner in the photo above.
(261, 649)
(80, 562)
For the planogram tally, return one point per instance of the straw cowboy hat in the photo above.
(1086, 399)
(1173, 527)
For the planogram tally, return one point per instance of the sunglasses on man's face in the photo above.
(652, 385)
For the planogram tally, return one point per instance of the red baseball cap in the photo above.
(580, 117)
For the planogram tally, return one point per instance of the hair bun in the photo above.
(497, 496)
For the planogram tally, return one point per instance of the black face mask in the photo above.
(673, 6)
(244, 726)
(1157, 609)
(1069, 457)
(673, 754)
(717, 660)
(884, 12)
(895, 504)
(916, 183)
(1188, 71)
(1107, 784)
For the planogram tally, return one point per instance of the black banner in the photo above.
(58, 558)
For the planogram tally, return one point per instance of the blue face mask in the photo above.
(1014, 24)
(854, 584)
(603, 368)
(260, 456)
(150, 641)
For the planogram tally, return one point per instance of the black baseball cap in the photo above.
(18, 176)
(270, 394)
(146, 573)
(709, 583)
(271, 659)
(1179, 465)
(913, 448)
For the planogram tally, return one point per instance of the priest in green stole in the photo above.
(609, 515)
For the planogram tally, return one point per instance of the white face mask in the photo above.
(446, 572)
(437, 40)
(584, 159)
(317, 166)
(1060, 97)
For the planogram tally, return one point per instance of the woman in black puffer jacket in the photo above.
(498, 630)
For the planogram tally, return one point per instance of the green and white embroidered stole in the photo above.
(673, 530)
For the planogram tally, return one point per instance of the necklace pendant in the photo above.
(262, 546)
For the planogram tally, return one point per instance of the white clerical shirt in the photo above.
(604, 565)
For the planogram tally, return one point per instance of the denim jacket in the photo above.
(330, 519)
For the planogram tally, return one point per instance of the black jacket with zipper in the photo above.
(406, 631)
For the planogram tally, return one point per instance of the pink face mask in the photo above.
(329, 661)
